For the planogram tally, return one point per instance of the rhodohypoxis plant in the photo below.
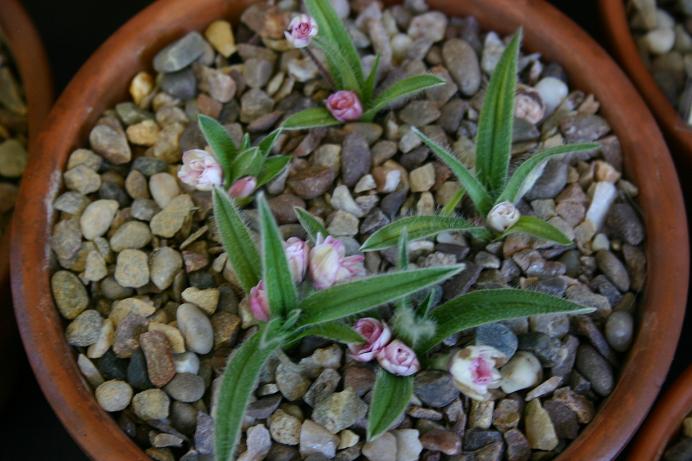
(238, 169)
(492, 190)
(295, 290)
(353, 97)
(422, 326)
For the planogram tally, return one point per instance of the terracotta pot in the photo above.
(32, 63)
(663, 424)
(617, 31)
(103, 81)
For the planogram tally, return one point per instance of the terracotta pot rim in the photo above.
(96, 87)
(664, 421)
(617, 31)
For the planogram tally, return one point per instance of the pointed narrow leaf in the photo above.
(309, 118)
(450, 206)
(487, 306)
(336, 331)
(517, 185)
(221, 143)
(403, 249)
(418, 227)
(538, 228)
(405, 87)
(273, 166)
(390, 398)
(494, 137)
(339, 66)
(246, 142)
(278, 281)
(333, 30)
(352, 298)
(371, 81)
(266, 144)
(238, 382)
(475, 190)
(235, 236)
(247, 163)
(311, 225)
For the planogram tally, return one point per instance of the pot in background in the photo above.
(104, 80)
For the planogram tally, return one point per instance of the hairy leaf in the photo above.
(266, 144)
(351, 298)
(235, 236)
(371, 81)
(246, 142)
(475, 190)
(273, 166)
(494, 136)
(405, 87)
(418, 227)
(333, 30)
(488, 306)
(538, 228)
(517, 185)
(336, 331)
(238, 382)
(390, 398)
(247, 163)
(278, 281)
(309, 118)
(221, 143)
(340, 68)
(450, 206)
(311, 225)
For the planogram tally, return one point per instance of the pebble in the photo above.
(114, 395)
(498, 336)
(168, 222)
(408, 446)
(518, 448)
(285, 428)
(462, 63)
(507, 414)
(356, 159)
(624, 223)
(422, 179)
(435, 388)
(343, 200)
(164, 188)
(186, 387)
(316, 440)
(325, 385)
(619, 329)
(383, 448)
(311, 182)
(419, 113)
(207, 299)
(540, 431)
(258, 444)
(552, 91)
(110, 141)
(132, 235)
(292, 384)
(522, 372)
(564, 420)
(596, 369)
(132, 268)
(84, 330)
(180, 53)
(343, 224)
(614, 269)
(187, 362)
(339, 411)
(159, 357)
(428, 26)
(69, 293)
(551, 182)
(220, 34)
(441, 440)
(82, 179)
(165, 262)
(97, 218)
(679, 451)
(603, 197)
(151, 404)
(196, 328)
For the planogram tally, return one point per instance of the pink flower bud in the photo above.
(474, 370)
(259, 306)
(398, 359)
(297, 252)
(376, 334)
(344, 106)
(301, 29)
(329, 265)
(200, 170)
(243, 187)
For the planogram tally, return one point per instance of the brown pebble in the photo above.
(159, 357)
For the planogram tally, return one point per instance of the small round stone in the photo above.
(69, 293)
(152, 404)
(97, 218)
(85, 329)
(186, 387)
(132, 268)
(114, 395)
(619, 329)
(196, 328)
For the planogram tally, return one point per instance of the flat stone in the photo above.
(311, 182)
(422, 179)
(356, 159)
(159, 357)
(110, 141)
(435, 388)
(165, 262)
(137, 374)
(220, 34)
(583, 127)
(132, 234)
(113, 395)
(164, 188)
(498, 336)
(169, 221)
(624, 223)
(339, 411)
(152, 404)
(325, 385)
(419, 113)
(264, 407)
(551, 182)
(84, 330)
(66, 240)
(196, 328)
(69, 294)
(316, 440)
(180, 53)
(441, 440)
(540, 431)
(383, 448)
(507, 414)
(462, 63)
(97, 218)
(564, 419)
(207, 299)
(258, 443)
(518, 448)
(82, 179)
(132, 268)
(186, 387)
(581, 405)
(408, 446)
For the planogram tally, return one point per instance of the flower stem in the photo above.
(320, 67)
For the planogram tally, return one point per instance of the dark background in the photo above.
(71, 31)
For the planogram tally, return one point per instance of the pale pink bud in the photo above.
(300, 31)
(503, 216)
(398, 359)
(200, 170)
(297, 252)
(345, 106)
(329, 265)
(376, 334)
(259, 305)
(243, 187)
(474, 370)
(350, 267)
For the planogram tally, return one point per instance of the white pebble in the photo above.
(187, 362)
(552, 91)
(603, 197)
(660, 41)
(522, 372)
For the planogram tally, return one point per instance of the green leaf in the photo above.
(450, 206)
(278, 281)
(273, 166)
(494, 136)
(404, 87)
(332, 28)
(311, 225)
(390, 398)
(488, 306)
(351, 298)
(524, 177)
(247, 163)
(235, 236)
(418, 227)
(475, 190)
(309, 118)
(266, 144)
(371, 81)
(336, 331)
(403, 249)
(221, 143)
(339, 66)
(239, 379)
(245, 142)
(538, 228)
